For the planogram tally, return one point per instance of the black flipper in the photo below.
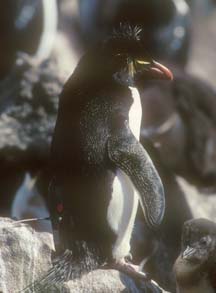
(130, 156)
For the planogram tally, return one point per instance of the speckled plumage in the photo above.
(93, 141)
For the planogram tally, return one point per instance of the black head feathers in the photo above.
(125, 40)
(126, 31)
(195, 229)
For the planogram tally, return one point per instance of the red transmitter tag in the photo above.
(60, 208)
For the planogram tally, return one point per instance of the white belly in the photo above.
(124, 203)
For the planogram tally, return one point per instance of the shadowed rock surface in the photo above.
(25, 257)
(28, 107)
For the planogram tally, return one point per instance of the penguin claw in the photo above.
(129, 269)
(129, 257)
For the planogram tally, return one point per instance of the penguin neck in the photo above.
(191, 278)
(203, 285)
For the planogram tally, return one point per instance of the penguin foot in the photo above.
(128, 268)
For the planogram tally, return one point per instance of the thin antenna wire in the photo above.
(31, 220)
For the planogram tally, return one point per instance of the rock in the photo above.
(109, 281)
(95, 281)
(24, 255)
(28, 107)
(25, 259)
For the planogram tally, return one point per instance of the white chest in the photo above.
(124, 202)
(135, 113)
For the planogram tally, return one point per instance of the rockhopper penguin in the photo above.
(100, 170)
(195, 268)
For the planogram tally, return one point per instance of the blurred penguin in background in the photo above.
(165, 24)
(29, 27)
(26, 26)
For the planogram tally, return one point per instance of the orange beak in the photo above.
(160, 71)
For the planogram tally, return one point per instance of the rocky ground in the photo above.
(25, 258)
(29, 251)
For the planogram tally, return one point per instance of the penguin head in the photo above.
(199, 241)
(201, 250)
(122, 58)
(196, 265)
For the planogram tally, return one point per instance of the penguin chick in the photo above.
(195, 268)
(100, 169)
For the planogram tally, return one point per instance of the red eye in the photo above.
(60, 208)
